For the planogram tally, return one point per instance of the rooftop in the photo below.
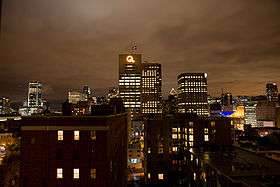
(242, 165)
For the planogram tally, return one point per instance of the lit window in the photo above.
(174, 129)
(206, 138)
(76, 173)
(174, 149)
(76, 135)
(213, 124)
(174, 136)
(93, 173)
(149, 175)
(160, 176)
(160, 150)
(191, 138)
(59, 173)
(93, 135)
(191, 144)
(149, 150)
(190, 130)
(59, 135)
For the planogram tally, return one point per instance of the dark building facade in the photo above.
(192, 93)
(74, 151)
(272, 92)
(167, 140)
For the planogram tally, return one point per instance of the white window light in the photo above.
(59, 173)
(160, 176)
(59, 135)
(77, 135)
(76, 173)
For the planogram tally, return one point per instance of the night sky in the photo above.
(68, 43)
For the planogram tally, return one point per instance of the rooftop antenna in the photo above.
(133, 47)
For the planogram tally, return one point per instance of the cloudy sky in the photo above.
(68, 43)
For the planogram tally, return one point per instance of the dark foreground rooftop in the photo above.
(243, 166)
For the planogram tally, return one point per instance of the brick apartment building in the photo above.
(74, 151)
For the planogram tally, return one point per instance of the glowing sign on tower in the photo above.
(130, 59)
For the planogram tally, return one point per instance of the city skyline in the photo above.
(77, 43)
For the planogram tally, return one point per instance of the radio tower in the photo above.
(133, 47)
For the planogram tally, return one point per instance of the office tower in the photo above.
(170, 105)
(130, 82)
(266, 114)
(192, 93)
(84, 151)
(227, 99)
(250, 116)
(112, 93)
(74, 97)
(151, 95)
(35, 95)
(272, 92)
(215, 106)
(227, 102)
(5, 106)
(86, 92)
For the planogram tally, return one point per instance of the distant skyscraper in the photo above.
(86, 92)
(35, 95)
(250, 116)
(74, 97)
(192, 93)
(227, 102)
(272, 92)
(151, 95)
(5, 107)
(130, 81)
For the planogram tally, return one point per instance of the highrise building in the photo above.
(86, 92)
(170, 105)
(227, 102)
(35, 95)
(74, 97)
(151, 95)
(192, 93)
(272, 92)
(250, 116)
(5, 107)
(130, 82)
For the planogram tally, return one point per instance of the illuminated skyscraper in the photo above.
(151, 96)
(272, 92)
(86, 92)
(227, 102)
(74, 97)
(5, 107)
(35, 95)
(250, 114)
(192, 93)
(130, 82)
